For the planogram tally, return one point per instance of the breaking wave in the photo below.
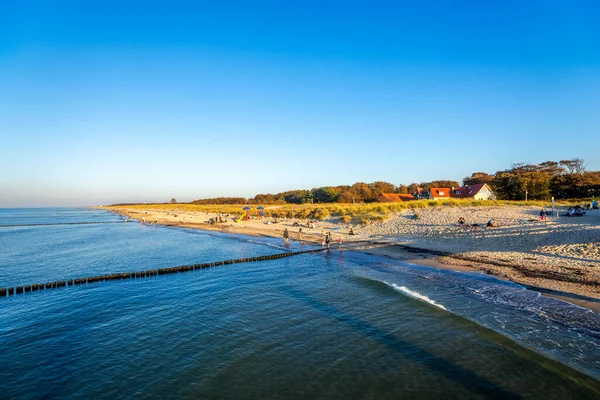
(416, 295)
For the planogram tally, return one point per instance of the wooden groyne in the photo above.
(142, 274)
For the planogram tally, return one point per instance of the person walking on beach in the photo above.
(341, 241)
(286, 235)
(327, 239)
(542, 214)
(300, 233)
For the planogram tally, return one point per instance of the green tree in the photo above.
(381, 187)
(402, 189)
(298, 196)
(325, 195)
(345, 194)
(478, 177)
(522, 181)
(361, 192)
(265, 199)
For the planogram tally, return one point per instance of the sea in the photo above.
(335, 324)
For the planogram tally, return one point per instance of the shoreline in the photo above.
(402, 252)
(428, 260)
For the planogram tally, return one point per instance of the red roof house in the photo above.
(420, 193)
(440, 193)
(480, 191)
(394, 197)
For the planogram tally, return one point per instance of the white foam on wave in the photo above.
(416, 295)
(267, 244)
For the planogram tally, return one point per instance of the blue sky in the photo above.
(103, 102)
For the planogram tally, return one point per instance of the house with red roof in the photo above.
(420, 193)
(394, 197)
(440, 193)
(480, 191)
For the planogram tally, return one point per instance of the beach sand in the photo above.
(560, 256)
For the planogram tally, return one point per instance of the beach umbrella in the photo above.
(260, 208)
(246, 208)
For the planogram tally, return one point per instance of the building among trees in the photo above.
(420, 193)
(565, 179)
(394, 197)
(480, 191)
(436, 193)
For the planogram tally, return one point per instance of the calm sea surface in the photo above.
(338, 325)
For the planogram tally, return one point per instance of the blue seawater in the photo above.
(326, 325)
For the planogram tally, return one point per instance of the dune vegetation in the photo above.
(351, 213)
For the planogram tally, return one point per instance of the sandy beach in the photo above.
(559, 255)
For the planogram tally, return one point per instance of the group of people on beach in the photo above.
(492, 223)
(576, 211)
(309, 224)
(216, 220)
(463, 224)
(327, 237)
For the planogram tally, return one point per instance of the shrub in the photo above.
(319, 214)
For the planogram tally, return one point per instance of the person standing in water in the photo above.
(286, 235)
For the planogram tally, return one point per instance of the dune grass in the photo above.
(350, 213)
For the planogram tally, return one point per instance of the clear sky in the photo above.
(104, 101)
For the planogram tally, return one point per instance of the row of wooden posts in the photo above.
(142, 274)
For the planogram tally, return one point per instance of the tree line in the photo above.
(359, 192)
(565, 179)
